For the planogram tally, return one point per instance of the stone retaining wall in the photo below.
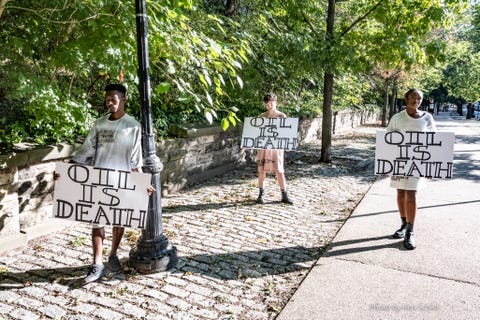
(26, 183)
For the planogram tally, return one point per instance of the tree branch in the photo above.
(3, 3)
(361, 18)
(285, 23)
(312, 28)
(94, 16)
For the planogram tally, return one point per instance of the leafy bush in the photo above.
(46, 115)
(55, 119)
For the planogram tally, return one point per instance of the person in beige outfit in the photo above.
(271, 160)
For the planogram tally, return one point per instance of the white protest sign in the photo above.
(414, 154)
(101, 196)
(270, 133)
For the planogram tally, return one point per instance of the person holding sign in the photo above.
(113, 142)
(410, 119)
(271, 160)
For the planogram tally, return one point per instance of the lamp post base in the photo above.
(153, 256)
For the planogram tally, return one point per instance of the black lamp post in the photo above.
(153, 251)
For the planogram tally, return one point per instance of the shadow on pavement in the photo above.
(72, 277)
(419, 208)
(465, 167)
(250, 264)
(209, 206)
(225, 266)
(334, 252)
(466, 139)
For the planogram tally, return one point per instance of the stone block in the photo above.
(9, 211)
(8, 176)
(206, 139)
(205, 158)
(176, 154)
(37, 171)
(35, 211)
(194, 131)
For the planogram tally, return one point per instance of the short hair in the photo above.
(116, 87)
(409, 92)
(270, 97)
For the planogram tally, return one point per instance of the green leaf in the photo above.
(225, 124)
(240, 82)
(232, 120)
(203, 80)
(236, 64)
(208, 116)
(170, 68)
(163, 87)
(209, 98)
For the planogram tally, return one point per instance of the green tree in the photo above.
(213, 60)
(358, 35)
(462, 74)
(56, 58)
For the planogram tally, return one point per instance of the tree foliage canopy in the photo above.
(212, 61)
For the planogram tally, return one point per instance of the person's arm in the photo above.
(431, 124)
(86, 153)
(392, 124)
(136, 156)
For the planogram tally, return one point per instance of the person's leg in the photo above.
(117, 234)
(261, 179)
(411, 209)
(401, 202)
(98, 235)
(97, 269)
(410, 205)
(282, 182)
(113, 261)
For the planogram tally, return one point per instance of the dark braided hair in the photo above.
(409, 92)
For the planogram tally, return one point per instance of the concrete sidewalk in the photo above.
(368, 275)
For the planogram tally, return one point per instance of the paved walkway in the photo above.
(367, 275)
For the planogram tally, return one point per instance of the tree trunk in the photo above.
(326, 154)
(385, 105)
(327, 118)
(393, 105)
(232, 7)
(3, 3)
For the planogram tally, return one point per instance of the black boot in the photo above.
(285, 198)
(261, 192)
(400, 233)
(409, 241)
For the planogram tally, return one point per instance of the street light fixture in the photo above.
(153, 251)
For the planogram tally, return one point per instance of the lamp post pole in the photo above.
(153, 251)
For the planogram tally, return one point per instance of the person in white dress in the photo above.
(410, 119)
